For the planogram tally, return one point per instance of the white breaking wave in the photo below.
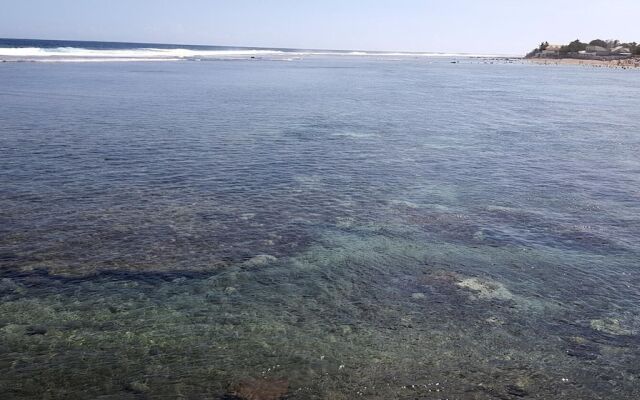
(156, 54)
(69, 52)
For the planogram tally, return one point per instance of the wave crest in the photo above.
(142, 54)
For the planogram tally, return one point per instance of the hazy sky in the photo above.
(474, 26)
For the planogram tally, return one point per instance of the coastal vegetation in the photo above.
(597, 48)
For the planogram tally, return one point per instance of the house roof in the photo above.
(621, 49)
(597, 48)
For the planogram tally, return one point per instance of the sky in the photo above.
(469, 26)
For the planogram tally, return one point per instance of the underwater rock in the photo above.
(418, 296)
(260, 260)
(36, 330)
(71, 325)
(485, 289)
(479, 235)
(137, 387)
(477, 288)
(516, 390)
(12, 330)
(580, 348)
(260, 389)
(615, 326)
(346, 329)
(583, 352)
(494, 320)
(7, 286)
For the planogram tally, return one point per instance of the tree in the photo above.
(543, 46)
(573, 47)
(598, 42)
(611, 44)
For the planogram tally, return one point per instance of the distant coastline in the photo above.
(597, 53)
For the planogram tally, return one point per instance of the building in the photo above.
(551, 50)
(598, 51)
(621, 51)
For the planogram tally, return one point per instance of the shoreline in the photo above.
(630, 63)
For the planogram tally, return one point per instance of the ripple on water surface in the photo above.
(270, 230)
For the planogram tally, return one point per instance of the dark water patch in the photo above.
(502, 227)
(42, 277)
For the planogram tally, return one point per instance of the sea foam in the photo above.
(142, 53)
(174, 54)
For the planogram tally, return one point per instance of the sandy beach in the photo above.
(627, 63)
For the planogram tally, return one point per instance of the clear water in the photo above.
(330, 228)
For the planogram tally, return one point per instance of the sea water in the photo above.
(323, 228)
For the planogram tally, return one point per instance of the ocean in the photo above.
(75, 51)
(315, 225)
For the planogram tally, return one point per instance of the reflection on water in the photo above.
(236, 230)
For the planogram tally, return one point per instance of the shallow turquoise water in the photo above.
(324, 228)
